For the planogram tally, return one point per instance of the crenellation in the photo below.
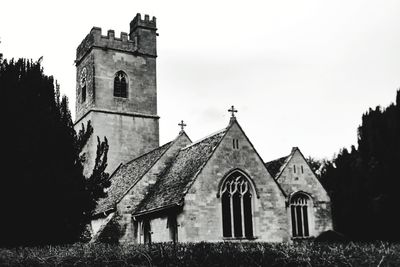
(109, 41)
(111, 34)
(96, 31)
(144, 23)
(124, 37)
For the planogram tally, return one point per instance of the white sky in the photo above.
(301, 72)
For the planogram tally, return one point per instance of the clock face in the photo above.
(83, 77)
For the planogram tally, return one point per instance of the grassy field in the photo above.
(206, 254)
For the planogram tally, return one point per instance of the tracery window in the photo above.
(299, 210)
(120, 84)
(237, 209)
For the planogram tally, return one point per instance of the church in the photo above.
(214, 189)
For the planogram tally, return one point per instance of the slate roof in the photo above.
(274, 166)
(126, 176)
(173, 184)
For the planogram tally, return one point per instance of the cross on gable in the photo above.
(182, 124)
(232, 110)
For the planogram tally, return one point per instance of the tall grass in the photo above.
(206, 254)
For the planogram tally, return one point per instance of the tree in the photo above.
(316, 165)
(46, 198)
(363, 183)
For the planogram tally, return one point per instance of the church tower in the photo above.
(116, 90)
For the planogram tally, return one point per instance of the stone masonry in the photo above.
(130, 124)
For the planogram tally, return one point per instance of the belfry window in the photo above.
(120, 84)
(299, 210)
(83, 77)
(237, 209)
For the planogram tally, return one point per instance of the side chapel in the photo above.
(214, 189)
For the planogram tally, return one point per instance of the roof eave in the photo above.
(147, 212)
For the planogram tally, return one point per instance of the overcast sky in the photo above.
(301, 73)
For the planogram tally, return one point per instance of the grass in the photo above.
(206, 254)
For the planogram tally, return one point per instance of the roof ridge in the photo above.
(205, 138)
(277, 159)
(141, 208)
(142, 155)
(288, 158)
(164, 147)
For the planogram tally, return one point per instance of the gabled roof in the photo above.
(174, 182)
(274, 167)
(126, 176)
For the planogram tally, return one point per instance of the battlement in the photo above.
(141, 39)
(143, 23)
(109, 41)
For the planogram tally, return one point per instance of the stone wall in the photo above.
(102, 65)
(130, 201)
(303, 179)
(128, 137)
(130, 124)
(201, 219)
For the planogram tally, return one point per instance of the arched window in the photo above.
(120, 84)
(237, 209)
(83, 77)
(299, 211)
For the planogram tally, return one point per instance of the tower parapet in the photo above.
(143, 33)
(142, 39)
(144, 23)
(109, 41)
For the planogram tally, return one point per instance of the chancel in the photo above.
(214, 189)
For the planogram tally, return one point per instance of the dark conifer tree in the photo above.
(363, 184)
(45, 197)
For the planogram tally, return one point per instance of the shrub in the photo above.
(206, 254)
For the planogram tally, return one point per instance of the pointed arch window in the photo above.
(299, 211)
(120, 85)
(237, 208)
(83, 77)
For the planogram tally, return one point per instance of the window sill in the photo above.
(299, 238)
(239, 238)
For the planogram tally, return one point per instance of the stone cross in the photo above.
(232, 110)
(182, 124)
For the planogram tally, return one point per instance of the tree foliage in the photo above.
(45, 197)
(363, 182)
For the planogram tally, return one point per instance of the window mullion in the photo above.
(302, 218)
(295, 220)
(232, 219)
